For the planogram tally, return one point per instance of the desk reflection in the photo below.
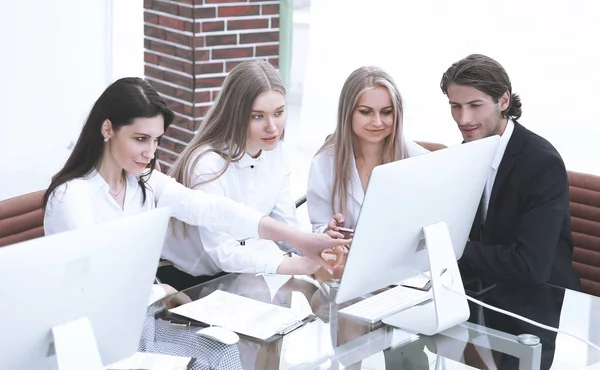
(541, 303)
(337, 341)
(279, 290)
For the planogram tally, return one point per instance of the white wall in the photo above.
(63, 54)
(58, 57)
(127, 39)
(300, 44)
(548, 48)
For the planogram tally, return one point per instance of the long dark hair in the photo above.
(123, 101)
(486, 75)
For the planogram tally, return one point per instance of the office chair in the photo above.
(21, 218)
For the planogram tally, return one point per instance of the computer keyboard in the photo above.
(384, 304)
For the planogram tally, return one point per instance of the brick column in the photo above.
(190, 45)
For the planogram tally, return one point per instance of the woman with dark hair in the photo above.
(110, 175)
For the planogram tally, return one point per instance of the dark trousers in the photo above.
(180, 280)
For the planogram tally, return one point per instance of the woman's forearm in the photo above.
(297, 266)
(271, 229)
(309, 244)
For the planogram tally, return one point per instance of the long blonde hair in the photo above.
(358, 82)
(225, 127)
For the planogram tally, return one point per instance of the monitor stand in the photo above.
(75, 346)
(446, 309)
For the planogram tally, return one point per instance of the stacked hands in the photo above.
(325, 265)
(335, 257)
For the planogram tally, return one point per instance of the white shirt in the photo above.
(262, 184)
(500, 149)
(86, 201)
(320, 188)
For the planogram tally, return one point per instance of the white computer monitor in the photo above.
(54, 288)
(416, 217)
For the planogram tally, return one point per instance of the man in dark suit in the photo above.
(522, 232)
(521, 235)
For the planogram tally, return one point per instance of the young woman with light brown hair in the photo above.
(368, 134)
(237, 153)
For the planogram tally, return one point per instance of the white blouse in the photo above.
(262, 184)
(320, 188)
(86, 201)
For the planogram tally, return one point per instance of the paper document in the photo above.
(242, 315)
(151, 361)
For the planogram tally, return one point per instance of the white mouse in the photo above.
(220, 334)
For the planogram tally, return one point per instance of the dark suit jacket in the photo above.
(526, 238)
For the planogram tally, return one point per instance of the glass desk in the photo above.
(487, 341)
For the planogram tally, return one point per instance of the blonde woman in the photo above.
(368, 133)
(237, 153)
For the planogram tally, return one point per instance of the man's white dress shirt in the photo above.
(500, 149)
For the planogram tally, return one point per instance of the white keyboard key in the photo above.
(384, 304)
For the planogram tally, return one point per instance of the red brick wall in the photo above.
(190, 45)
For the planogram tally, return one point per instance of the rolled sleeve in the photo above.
(257, 256)
(268, 263)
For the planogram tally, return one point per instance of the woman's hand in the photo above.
(168, 289)
(311, 245)
(335, 257)
(174, 298)
(306, 266)
(316, 246)
(333, 226)
(337, 260)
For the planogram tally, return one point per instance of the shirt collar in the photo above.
(98, 181)
(248, 161)
(503, 143)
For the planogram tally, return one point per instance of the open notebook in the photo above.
(242, 315)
